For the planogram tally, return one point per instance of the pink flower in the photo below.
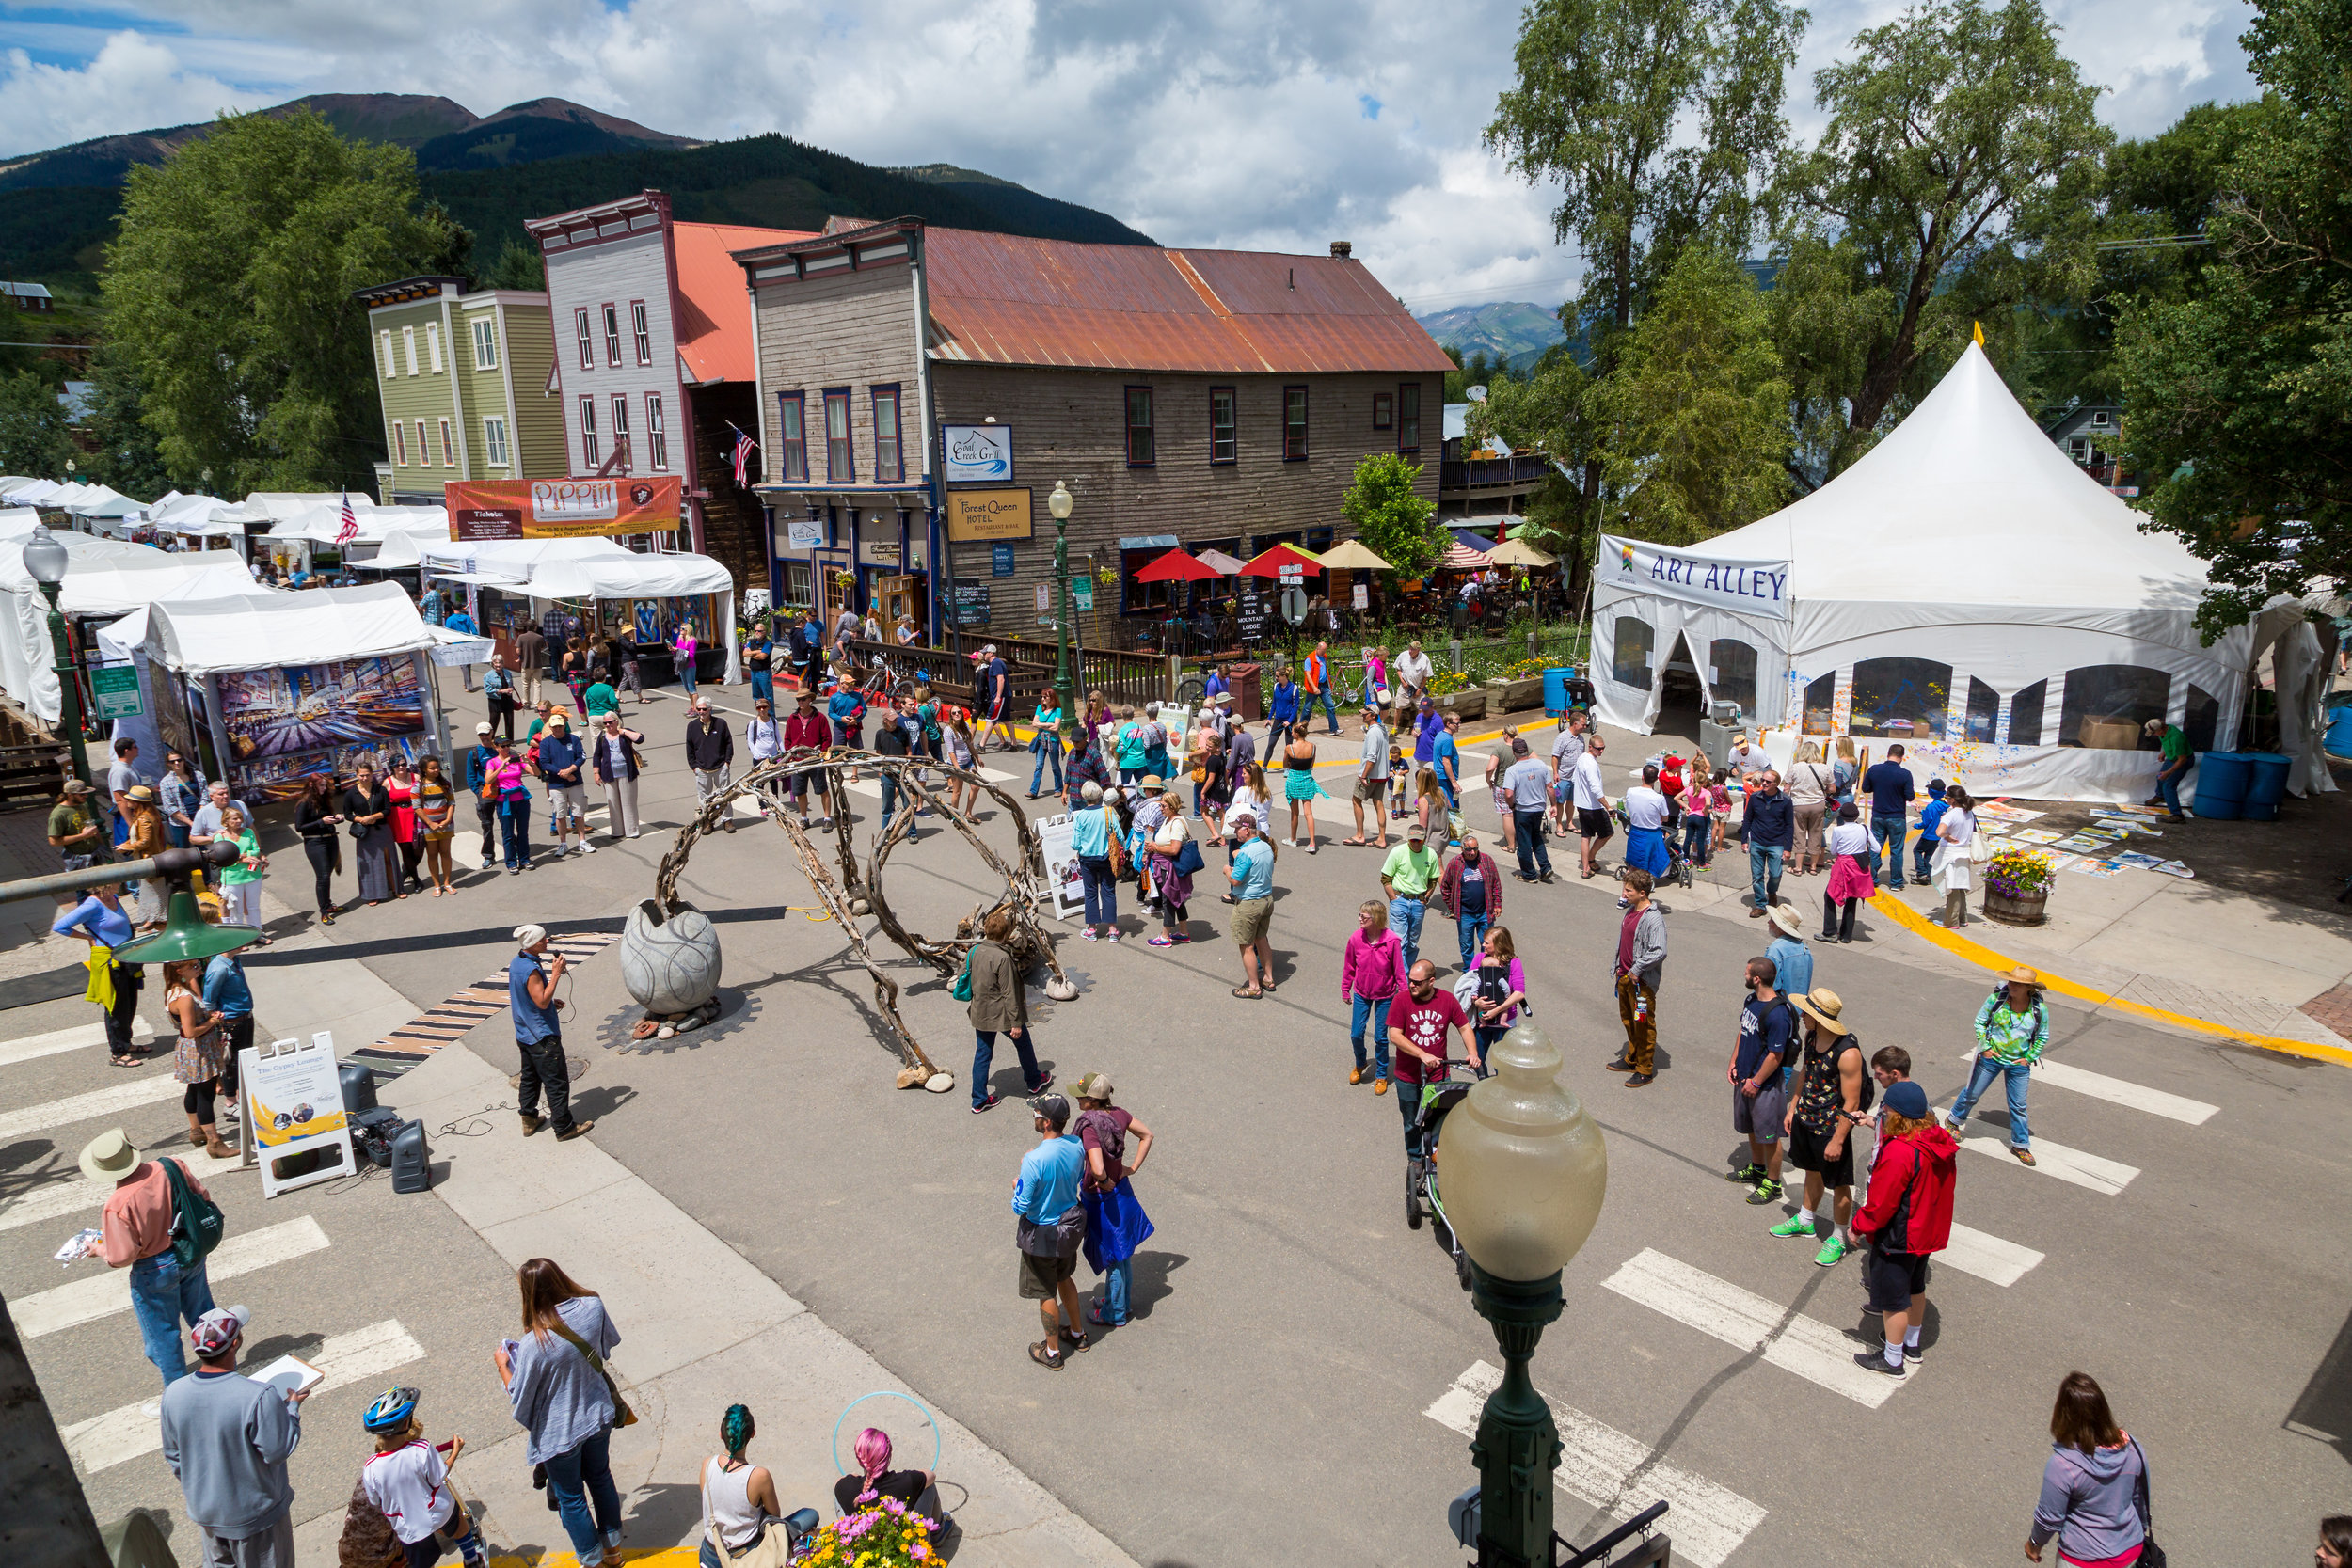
(895, 1506)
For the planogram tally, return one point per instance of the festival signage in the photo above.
(978, 453)
(1062, 881)
(978, 514)
(562, 508)
(1753, 588)
(294, 1103)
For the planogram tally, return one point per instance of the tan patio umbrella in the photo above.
(1519, 552)
(1352, 556)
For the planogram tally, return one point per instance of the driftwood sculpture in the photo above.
(853, 891)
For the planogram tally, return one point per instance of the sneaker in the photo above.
(1640, 1080)
(1113, 936)
(987, 1104)
(1160, 941)
(1914, 1355)
(1875, 1361)
(1795, 1224)
(586, 847)
(1832, 1250)
(1767, 1191)
(1747, 1176)
(576, 1130)
(2025, 1156)
(1089, 935)
(1620, 1065)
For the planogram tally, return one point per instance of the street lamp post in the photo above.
(1524, 1171)
(1058, 503)
(45, 559)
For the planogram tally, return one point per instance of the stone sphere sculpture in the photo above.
(669, 962)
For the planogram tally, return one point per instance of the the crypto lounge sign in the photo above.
(1746, 587)
(561, 508)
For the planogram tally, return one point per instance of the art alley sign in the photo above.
(1747, 587)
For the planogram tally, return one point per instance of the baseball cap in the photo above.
(1095, 1085)
(217, 1329)
(1416, 830)
(1053, 1107)
(77, 786)
(481, 728)
(1907, 1099)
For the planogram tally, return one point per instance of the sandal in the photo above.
(1246, 995)
(1355, 842)
(1047, 1356)
(123, 1061)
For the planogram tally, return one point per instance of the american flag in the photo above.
(744, 447)
(350, 530)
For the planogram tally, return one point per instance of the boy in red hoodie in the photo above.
(1908, 1217)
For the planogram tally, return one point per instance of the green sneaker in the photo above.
(1767, 1191)
(1832, 1250)
(1747, 1176)
(1794, 1225)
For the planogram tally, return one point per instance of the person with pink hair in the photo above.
(874, 1481)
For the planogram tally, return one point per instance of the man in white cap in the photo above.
(539, 1037)
(479, 761)
(227, 1437)
(136, 1225)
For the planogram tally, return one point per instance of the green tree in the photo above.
(127, 455)
(230, 289)
(2240, 395)
(519, 266)
(1545, 411)
(1956, 177)
(34, 441)
(1391, 516)
(1693, 428)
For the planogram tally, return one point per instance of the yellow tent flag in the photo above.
(1980, 333)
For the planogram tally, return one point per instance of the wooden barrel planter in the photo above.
(2027, 909)
(1465, 705)
(1509, 696)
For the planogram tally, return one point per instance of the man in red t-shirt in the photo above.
(1416, 1024)
(807, 728)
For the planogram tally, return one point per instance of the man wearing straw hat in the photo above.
(136, 1225)
(1820, 1122)
(2013, 1031)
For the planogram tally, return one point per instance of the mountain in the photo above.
(1511, 330)
(1022, 211)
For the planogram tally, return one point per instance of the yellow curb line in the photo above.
(1985, 958)
(658, 1556)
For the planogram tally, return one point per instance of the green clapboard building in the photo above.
(463, 381)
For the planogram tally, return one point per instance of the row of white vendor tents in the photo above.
(269, 523)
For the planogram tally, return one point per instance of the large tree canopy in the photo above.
(230, 295)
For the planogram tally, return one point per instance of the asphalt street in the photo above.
(1300, 1365)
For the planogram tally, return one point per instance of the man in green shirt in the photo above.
(2177, 759)
(601, 699)
(1406, 876)
(76, 832)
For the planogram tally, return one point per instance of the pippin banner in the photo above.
(561, 508)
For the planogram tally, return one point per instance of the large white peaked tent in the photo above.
(1963, 588)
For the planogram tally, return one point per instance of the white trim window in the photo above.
(424, 448)
(587, 338)
(657, 433)
(485, 343)
(613, 336)
(449, 449)
(588, 458)
(433, 346)
(494, 441)
(391, 365)
(644, 337)
(408, 346)
(620, 431)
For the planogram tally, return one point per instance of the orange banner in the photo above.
(562, 508)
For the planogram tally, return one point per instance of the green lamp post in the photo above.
(1523, 1170)
(1058, 503)
(45, 559)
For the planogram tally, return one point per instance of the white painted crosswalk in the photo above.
(1987, 1257)
(2117, 1091)
(1747, 1321)
(50, 1200)
(111, 1101)
(34, 1047)
(2093, 1171)
(1607, 1470)
(105, 1441)
(89, 1299)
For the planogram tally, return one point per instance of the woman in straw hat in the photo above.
(2013, 1031)
(1820, 1119)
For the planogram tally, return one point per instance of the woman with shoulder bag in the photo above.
(1952, 868)
(741, 1509)
(562, 1396)
(1174, 858)
(2094, 1489)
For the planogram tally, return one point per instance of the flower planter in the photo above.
(1507, 695)
(1464, 705)
(2024, 909)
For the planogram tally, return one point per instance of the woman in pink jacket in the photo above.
(1371, 974)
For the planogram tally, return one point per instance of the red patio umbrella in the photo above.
(1176, 567)
(1269, 563)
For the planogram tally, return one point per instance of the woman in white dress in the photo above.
(1951, 869)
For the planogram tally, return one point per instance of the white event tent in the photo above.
(103, 578)
(1963, 588)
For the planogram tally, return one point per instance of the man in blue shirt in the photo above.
(1891, 788)
(539, 1037)
(1446, 757)
(230, 1000)
(1050, 1226)
(563, 759)
(1930, 817)
(1252, 876)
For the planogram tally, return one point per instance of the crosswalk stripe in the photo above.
(113, 1098)
(88, 1300)
(51, 1200)
(1607, 1470)
(1972, 1251)
(1741, 1318)
(105, 1441)
(2101, 1175)
(2119, 1091)
(33, 1047)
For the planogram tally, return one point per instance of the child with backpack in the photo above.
(1931, 816)
(408, 1480)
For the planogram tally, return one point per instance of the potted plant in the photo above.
(887, 1534)
(1520, 684)
(2017, 887)
(1454, 695)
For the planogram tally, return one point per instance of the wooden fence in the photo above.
(1121, 677)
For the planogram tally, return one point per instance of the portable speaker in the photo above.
(359, 1086)
(412, 1158)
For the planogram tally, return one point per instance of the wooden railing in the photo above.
(1121, 677)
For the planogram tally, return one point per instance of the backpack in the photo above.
(196, 1222)
(962, 990)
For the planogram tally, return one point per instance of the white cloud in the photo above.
(1200, 122)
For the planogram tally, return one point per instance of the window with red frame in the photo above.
(657, 434)
(620, 433)
(613, 336)
(644, 337)
(792, 434)
(587, 338)
(588, 450)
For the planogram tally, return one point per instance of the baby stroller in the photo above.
(1422, 1197)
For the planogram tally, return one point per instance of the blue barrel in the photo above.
(2268, 786)
(2222, 781)
(2339, 742)
(1556, 689)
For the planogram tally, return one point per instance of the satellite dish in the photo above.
(1476, 394)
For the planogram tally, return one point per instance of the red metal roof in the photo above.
(1002, 299)
(714, 326)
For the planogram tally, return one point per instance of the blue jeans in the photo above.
(1698, 837)
(1048, 749)
(1101, 890)
(581, 1480)
(1404, 918)
(1472, 929)
(1375, 1014)
(1535, 856)
(175, 835)
(763, 686)
(1887, 832)
(984, 1052)
(515, 832)
(1330, 713)
(161, 1296)
(2170, 789)
(1981, 1075)
(890, 800)
(1116, 1280)
(1764, 873)
(686, 679)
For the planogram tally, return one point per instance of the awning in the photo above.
(1149, 542)
(258, 630)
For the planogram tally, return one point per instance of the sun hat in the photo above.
(217, 1330)
(2024, 975)
(110, 1156)
(1907, 1099)
(1822, 1007)
(140, 793)
(1787, 918)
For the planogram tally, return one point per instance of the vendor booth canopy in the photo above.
(596, 568)
(254, 630)
(1963, 588)
(103, 578)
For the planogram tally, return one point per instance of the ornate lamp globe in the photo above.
(1522, 1168)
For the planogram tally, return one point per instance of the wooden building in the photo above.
(463, 380)
(921, 391)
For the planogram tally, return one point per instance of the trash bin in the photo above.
(2267, 786)
(1247, 701)
(2222, 781)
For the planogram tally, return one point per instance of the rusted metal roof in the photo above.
(1007, 300)
(714, 324)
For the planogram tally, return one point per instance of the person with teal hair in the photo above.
(740, 1502)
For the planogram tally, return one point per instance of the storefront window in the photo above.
(1820, 704)
(2024, 713)
(1984, 711)
(1629, 663)
(1732, 673)
(2106, 703)
(800, 584)
(2202, 721)
(1135, 597)
(1903, 698)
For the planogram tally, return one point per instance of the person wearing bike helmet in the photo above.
(408, 1480)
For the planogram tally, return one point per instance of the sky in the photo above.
(1201, 122)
